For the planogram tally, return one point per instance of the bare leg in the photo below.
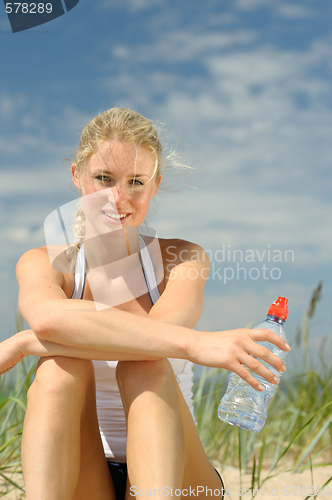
(62, 454)
(163, 446)
(154, 426)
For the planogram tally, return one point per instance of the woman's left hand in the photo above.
(238, 351)
(10, 354)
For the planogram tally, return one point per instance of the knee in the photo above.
(145, 375)
(61, 375)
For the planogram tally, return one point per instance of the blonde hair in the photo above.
(116, 123)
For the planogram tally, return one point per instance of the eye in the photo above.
(103, 178)
(135, 182)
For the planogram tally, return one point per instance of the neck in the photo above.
(115, 245)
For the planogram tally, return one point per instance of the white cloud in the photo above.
(294, 11)
(284, 9)
(18, 182)
(262, 116)
(121, 51)
(184, 45)
(33, 129)
(253, 4)
(9, 105)
(223, 19)
(132, 5)
(259, 87)
(258, 218)
(16, 235)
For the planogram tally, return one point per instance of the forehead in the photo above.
(121, 156)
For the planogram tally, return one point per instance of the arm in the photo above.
(110, 334)
(187, 268)
(53, 317)
(173, 307)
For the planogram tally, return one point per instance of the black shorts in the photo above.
(119, 476)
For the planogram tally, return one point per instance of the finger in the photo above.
(5, 370)
(263, 334)
(245, 374)
(263, 371)
(263, 353)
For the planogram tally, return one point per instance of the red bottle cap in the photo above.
(279, 308)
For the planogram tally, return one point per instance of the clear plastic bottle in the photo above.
(242, 405)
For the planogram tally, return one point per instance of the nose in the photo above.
(119, 194)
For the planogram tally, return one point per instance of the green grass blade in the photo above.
(260, 461)
(300, 431)
(8, 480)
(315, 438)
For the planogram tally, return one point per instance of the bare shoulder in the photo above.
(31, 256)
(35, 264)
(39, 284)
(176, 252)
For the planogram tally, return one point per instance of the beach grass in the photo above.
(13, 391)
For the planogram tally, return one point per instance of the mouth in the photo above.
(116, 218)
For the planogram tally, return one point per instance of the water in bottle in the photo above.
(242, 405)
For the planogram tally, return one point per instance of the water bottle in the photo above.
(242, 405)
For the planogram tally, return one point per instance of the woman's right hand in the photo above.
(10, 354)
(237, 350)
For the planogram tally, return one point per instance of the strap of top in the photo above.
(147, 267)
(79, 276)
(148, 271)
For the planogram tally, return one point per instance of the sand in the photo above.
(282, 487)
(285, 485)
(11, 493)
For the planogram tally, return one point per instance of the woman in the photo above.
(140, 318)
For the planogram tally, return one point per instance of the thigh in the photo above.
(94, 481)
(94, 477)
(200, 477)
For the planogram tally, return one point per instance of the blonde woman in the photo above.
(129, 302)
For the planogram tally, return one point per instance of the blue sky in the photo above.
(242, 88)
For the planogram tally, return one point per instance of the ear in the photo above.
(157, 185)
(76, 177)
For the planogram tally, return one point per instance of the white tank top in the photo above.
(111, 416)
